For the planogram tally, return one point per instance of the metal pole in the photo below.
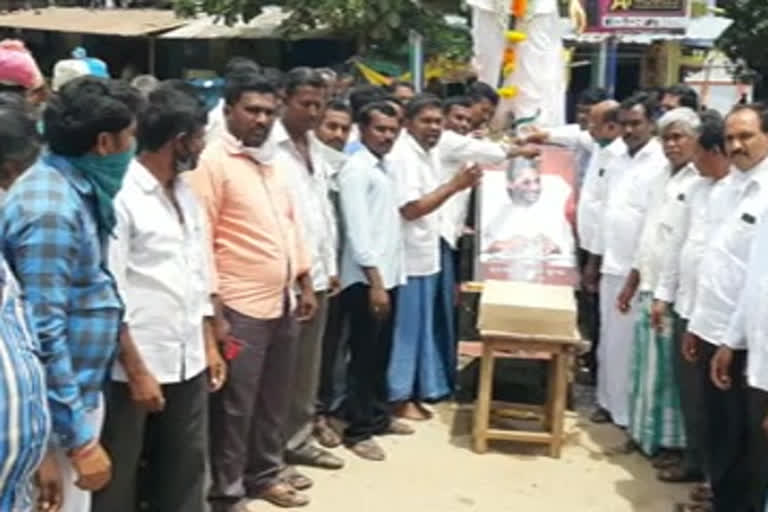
(151, 57)
(612, 67)
(416, 57)
(602, 62)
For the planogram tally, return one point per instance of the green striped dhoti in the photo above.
(655, 417)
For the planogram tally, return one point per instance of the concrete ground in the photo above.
(436, 471)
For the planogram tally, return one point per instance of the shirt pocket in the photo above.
(744, 231)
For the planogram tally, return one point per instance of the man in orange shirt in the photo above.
(259, 256)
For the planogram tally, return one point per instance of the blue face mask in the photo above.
(106, 174)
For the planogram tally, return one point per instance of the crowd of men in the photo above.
(223, 296)
(673, 241)
(216, 295)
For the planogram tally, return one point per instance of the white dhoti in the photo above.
(540, 73)
(614, 354)
(489, 42)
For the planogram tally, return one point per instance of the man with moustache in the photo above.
(655, 421)
(157, 405)
(631, 178)
(299, 156)
(602, 142)
(332, 133)
(456, 149)
(419, 370)
(720, 283)
(704, 209)
(372, 270)
(259, 256)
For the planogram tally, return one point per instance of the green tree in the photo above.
(367, 21)
(747, 38)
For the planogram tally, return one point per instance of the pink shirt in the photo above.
(258, 251)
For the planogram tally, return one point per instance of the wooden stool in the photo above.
(559, 351)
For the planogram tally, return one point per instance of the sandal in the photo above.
(398, 428)
(600, 416)
(315, 457)
(702, 493)
(678, 475)
(666, 460)
(295, 479)
(694, 507)
(325, 435)
(283, 495)
(368, 450)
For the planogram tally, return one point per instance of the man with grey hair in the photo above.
(655, 419)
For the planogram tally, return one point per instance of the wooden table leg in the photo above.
(558, 403)
(483, 402)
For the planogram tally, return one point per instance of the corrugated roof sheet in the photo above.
(264, 26)
(117, 22)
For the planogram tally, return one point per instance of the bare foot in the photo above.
(410, 411)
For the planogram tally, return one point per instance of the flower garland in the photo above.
(518, 9)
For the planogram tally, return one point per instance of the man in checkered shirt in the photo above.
(54, 226)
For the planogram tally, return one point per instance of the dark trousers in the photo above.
(333, 367)
(589, 318)
(688, 383)
(370, 344)
(758, 447)
(725, 426)
(173, 444)
(248, 415)
(306, 376)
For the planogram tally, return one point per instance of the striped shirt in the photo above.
(51, 241)
(24, 420)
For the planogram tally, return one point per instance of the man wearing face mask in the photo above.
(333, 133)
(55, 226)
(299, 156)
(157, 404)
(260, 257)
(722, 277)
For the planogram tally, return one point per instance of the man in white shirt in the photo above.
(632, 177)
(372, 271)
(456, 149)
(168, 359)
(722, 278)
(703, 208)
(419, 369)
(655, 420)
(748, 329)
(299, 155)
(333, 133)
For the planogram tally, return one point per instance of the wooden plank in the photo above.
(522, 436)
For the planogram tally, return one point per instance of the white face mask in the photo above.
(263, 154)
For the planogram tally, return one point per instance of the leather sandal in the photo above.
(284, 495)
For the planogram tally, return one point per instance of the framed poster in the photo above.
(637, 15)
(526, 218)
